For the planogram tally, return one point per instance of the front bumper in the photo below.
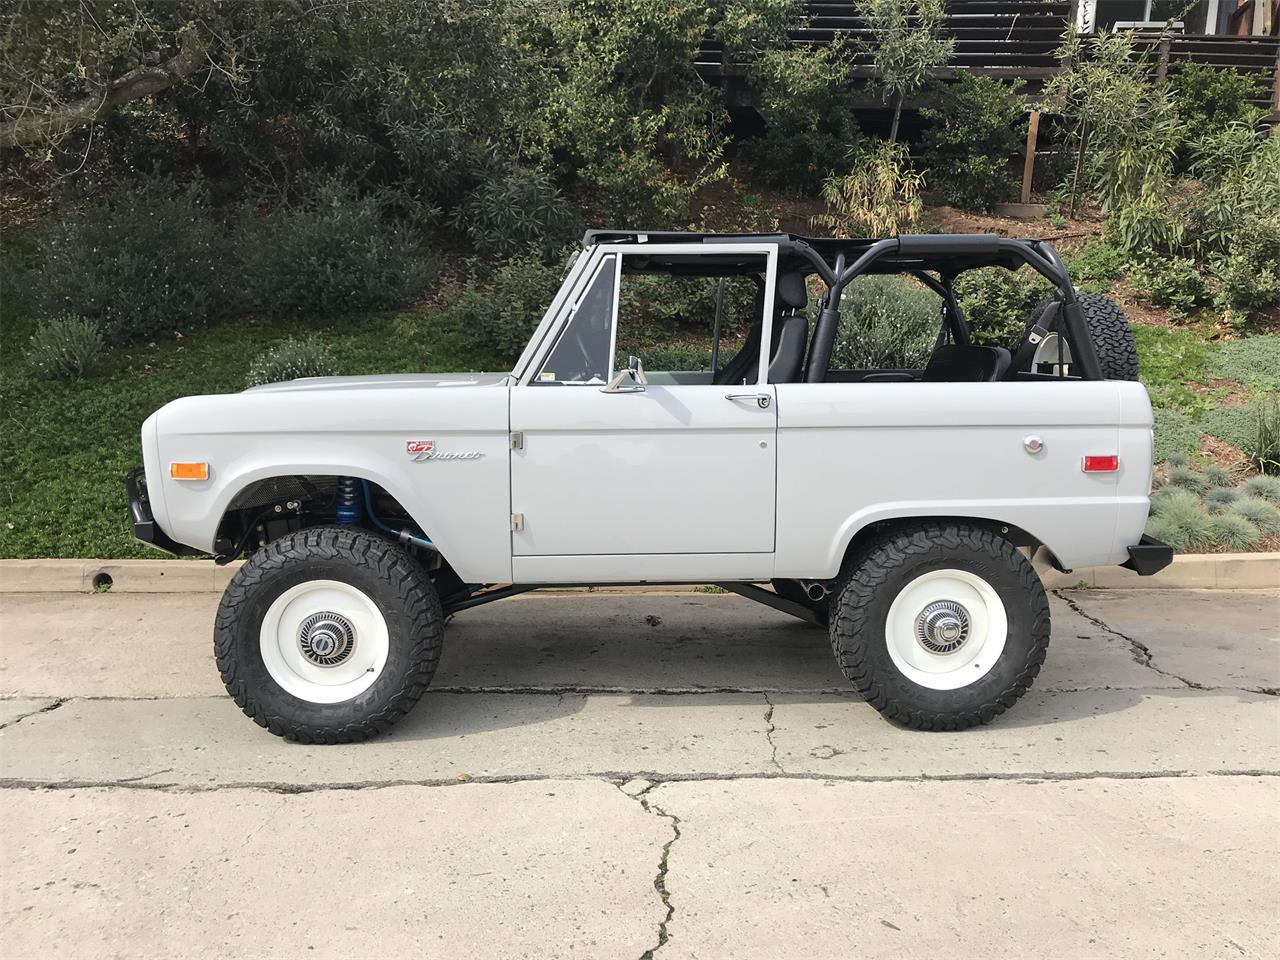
(1148, 556)
(145, 527)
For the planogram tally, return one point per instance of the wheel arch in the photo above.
(856, 534)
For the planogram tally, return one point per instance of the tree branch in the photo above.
(57, 121)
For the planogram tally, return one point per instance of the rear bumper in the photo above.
(1148, 556)
(145, 527)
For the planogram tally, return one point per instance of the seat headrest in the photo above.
(791, 291)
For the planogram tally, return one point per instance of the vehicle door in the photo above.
(621, 475)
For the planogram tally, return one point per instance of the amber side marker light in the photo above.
(189, 471)
(1101, 464)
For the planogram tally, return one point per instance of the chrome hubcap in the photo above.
(942, 627)
(326, 639)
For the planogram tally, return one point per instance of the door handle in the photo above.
(762, 399)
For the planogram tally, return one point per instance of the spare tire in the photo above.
(1111, 334)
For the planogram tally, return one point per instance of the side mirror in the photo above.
(634, 373)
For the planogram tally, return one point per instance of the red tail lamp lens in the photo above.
(1101, 464)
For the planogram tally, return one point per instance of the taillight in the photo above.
(1101, 464)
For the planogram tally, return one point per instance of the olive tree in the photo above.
(906, 48)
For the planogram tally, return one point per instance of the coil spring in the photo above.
(348, 506)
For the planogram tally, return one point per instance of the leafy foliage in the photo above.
(1252, 360)
(142, 262)
(1172, 282)
(292, 359)
(1096, 266)
(496, 313)
(333, 252)
(66, 348)
(518, 212)
(879, 197)
(1254, 427)
(971, 139)
(885, 322)
(997, 302)
(1175, 434)
(810, 130)
(1212, 98)
(906, 46)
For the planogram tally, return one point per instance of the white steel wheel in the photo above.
(324, 641)
(946, 629)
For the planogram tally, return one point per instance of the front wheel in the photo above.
(328, 635)
(941, 626)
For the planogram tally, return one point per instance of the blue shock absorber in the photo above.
(349, 503)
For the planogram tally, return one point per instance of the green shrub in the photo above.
(66, 348)
(1266, 488)
(496, 313)
(1167, 359)
(1189, 479)
(1221, 498)
(997, 302)
(1176, 434)
(1171, 282)
(1252, 360)
(516, 213)
(334, 252)
(1218, 476)
(675, 356)
(292, 359)
(1233, 532)
(1097, 266)
(142, 262)
(971, 140)
(809, 128)
(885, 321)
(1242, 287)
(1187, 517)
(1210, 98)
(1259, 512)
(1178, 459)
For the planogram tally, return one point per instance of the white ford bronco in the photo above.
(901, 508)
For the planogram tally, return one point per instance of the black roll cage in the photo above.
(837, 262)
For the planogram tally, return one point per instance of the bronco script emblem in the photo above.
(421, 450)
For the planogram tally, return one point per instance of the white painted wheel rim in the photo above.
(356, 663)
(935, 594)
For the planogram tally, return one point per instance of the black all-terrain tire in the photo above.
(1111, 333)
(387, 575)
(875, 576)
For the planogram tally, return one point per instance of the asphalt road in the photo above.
(601, 775)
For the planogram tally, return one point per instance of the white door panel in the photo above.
(671, 470)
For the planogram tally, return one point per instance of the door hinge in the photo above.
(517, 522)
(517, 440)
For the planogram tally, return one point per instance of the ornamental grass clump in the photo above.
(1258, 512)
(1221, 498)
(1268, 488)
(1185, 518)
(66, 348)
(1218, 476)
(292, 359)
(1233, 532)
(1189, 479)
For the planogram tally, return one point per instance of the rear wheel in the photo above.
(328, 635)
(941, 626)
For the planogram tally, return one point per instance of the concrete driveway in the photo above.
(607, 775)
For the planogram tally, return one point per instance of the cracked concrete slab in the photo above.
(1210, 638)
(204, 741)
(15, 709)
(1054, 733)
(1144, 868)
(549, 869)
(71, 645)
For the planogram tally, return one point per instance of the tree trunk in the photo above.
(60, 119)
(897, 115)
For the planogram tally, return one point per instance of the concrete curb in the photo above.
(1207, 571)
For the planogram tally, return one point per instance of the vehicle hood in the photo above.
(384, 382)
